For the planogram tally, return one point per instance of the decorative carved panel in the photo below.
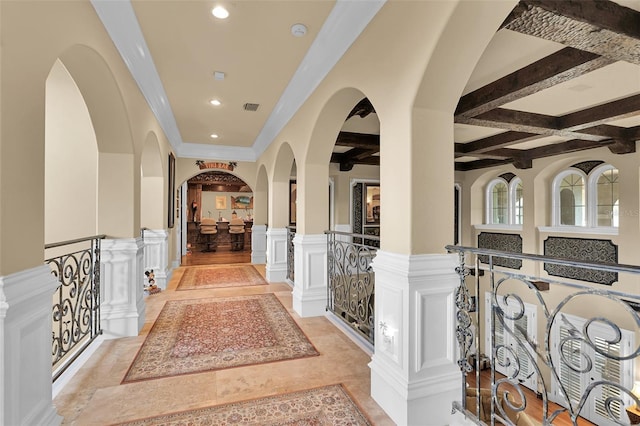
(504, 242)
(581, 249)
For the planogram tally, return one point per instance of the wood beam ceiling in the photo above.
(596, 33)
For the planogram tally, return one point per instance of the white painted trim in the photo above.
(259, 244)
(310, 290)
(414, 374)
(513, 228)
(25, 347)
(276, 268)
(555, 195)
(577, 230)
(342, 27)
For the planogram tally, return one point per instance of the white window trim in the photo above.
(591, 207)
(498, 227)
(592, 194)
(512, 200)
(555, 203)
(567, 229)
(488, 196)
(511, 205)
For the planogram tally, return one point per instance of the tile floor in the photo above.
(95, 395)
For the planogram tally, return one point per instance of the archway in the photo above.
(71, 161)
(214, 198)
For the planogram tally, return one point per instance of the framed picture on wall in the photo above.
(293, 198)
(221, 202)
(172, 190)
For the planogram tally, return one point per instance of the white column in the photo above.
(414, 375)
(25, 348)
(156, 256)
(259, 244)
(122, 305)
(276, 254)
(310, 290)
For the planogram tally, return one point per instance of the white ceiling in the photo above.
(172, 48)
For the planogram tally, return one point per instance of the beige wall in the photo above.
(71, 161)
(537, 191)
(119, 114)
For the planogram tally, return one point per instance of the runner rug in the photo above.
(195, 278)
(329, 405)
(198, 335)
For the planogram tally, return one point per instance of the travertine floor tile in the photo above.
(95, 396)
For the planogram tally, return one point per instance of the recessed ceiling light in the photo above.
(220, 12)
(215, 102)
(298, 30)
(214, 136)
(218, 75)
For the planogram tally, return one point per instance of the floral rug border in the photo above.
(191, 274)
(281, 409)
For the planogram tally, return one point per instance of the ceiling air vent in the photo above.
(250, 107)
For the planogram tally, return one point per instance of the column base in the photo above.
(276, 269)
(410, 404)
(259, 244)
(414, 372)
(310, 287)
(25, 348)
(122, 310)
(155, 255)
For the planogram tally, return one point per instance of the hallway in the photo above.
(96, 395)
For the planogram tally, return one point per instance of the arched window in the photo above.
(606, 196)
(504, 201)
(586, 195)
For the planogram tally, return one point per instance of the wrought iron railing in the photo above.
(351, 281)
(76, 302)
(291, 270)
(581, 366)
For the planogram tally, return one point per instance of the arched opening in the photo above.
(71, 160)
(151, 185)
(222, 201)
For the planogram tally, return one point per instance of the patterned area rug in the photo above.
(197, 335)
(329, 405)
(196, 278)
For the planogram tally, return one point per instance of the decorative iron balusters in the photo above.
(351, 281)
(291, 233)
(76, 301)
(586, 360)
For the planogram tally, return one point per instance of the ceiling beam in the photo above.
(493, 142)
(564, 65)
(601, 27)
(358, 140)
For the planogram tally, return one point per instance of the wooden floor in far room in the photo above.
(222, 255)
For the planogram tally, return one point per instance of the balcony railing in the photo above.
(351, 280)
(76, 302)
(574, 345)
(291, 233)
